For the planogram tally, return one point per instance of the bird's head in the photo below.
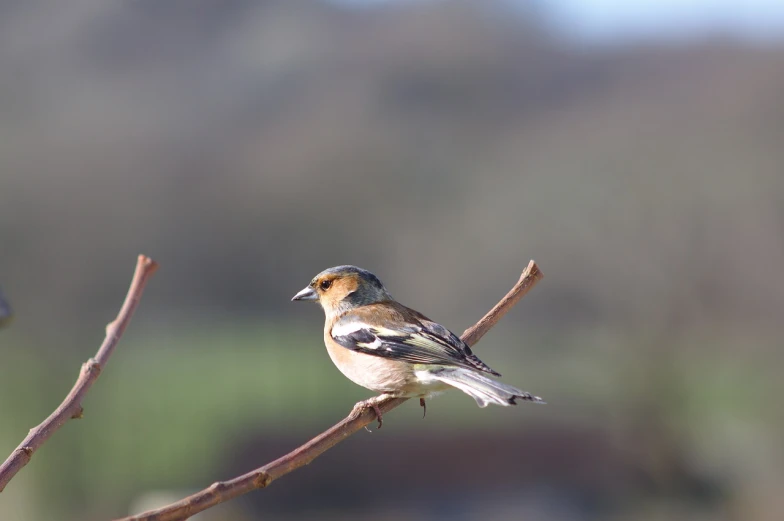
(342, 288)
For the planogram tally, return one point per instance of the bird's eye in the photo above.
(325, 284)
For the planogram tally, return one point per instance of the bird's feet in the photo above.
(370, 403)
(424, 407)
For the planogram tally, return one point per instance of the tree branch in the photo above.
(72, 405)
(222, 491)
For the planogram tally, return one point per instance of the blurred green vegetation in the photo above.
(172, 403)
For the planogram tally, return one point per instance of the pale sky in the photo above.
(756, 19)
(608, 20)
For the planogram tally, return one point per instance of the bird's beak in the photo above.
(306, 294)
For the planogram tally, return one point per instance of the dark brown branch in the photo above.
(261, 477)
(72, 405)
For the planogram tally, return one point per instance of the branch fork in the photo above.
(71, 407)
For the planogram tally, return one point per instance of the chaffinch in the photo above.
(384, 346)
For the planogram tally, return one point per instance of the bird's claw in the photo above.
(367, 404)
(424, 407)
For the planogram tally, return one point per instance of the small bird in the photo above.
(389, 348)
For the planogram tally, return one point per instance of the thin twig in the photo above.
(72, 405)
(222, 491)
(530, 276)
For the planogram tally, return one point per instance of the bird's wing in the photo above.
(409, 337)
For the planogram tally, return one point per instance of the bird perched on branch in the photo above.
(384, 346)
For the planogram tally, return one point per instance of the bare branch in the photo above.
(530, 276)
(72, 405)
(225, 490)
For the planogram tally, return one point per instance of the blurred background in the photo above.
(633, 149)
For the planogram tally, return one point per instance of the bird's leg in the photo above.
(370, 403)
(424, 407)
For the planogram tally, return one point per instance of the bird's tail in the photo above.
(481, 388)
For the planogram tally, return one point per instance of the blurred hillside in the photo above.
(248, 145)
(424, 141)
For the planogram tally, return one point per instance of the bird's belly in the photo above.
(382, 374)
